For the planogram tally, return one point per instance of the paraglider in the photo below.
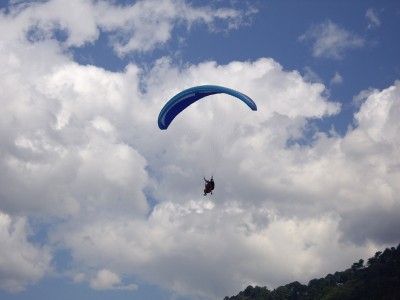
(185, 98)
(209, 186)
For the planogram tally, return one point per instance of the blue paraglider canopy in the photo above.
(185, 98)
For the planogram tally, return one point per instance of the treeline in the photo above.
(378, 279)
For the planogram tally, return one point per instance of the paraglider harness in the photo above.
(209, 186)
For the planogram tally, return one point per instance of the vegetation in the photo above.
(377, 280)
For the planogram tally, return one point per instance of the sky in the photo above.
(96, 202)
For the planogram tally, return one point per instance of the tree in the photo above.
(378, 280)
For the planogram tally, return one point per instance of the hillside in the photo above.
(378, 279)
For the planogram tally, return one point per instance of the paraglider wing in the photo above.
(185, 98)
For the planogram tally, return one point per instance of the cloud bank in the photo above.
(80, 150)
(21, 263)
(138, 27)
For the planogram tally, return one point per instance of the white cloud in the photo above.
(141, 26)
(21, 263)
(107, 280)
(223, 247)
(331, 41)
(373, 18)
(362, 96)
(311, 76)
(377, 116)
(336, 79)
(64, 147)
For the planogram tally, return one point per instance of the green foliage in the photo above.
(379, 279)
(253, 293)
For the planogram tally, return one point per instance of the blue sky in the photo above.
(97, 202)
